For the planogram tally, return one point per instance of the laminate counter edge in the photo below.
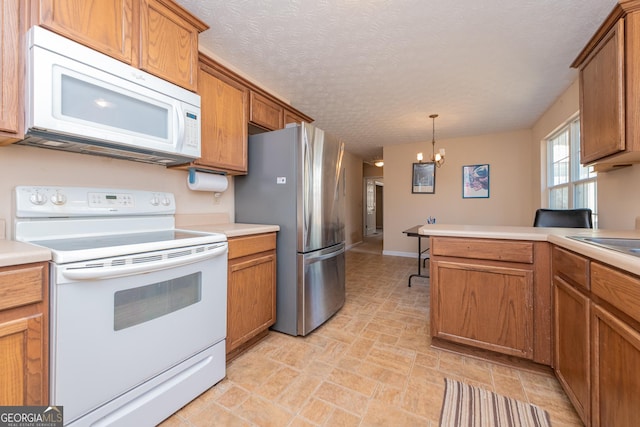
(557, 236)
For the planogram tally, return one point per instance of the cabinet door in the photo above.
(266, 113)
(224, 122)
(602, 98)
(168, 44)
(22, 362)
(291, 117)
(616, 364)
(10, 76)
(251, 300)
(105, 26)
(571, 346)
(483, 306)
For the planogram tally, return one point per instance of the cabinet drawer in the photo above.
(21, 286)
(243, 246)
(619, 289)
(489, 249)
(570, 266)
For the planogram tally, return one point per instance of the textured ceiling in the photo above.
(371, 71)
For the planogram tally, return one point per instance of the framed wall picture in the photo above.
(423, 180)
(475, 181)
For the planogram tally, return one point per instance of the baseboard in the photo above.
(353, 245)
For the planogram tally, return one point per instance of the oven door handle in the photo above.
(99, 273)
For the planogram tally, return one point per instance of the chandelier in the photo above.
(437, 158)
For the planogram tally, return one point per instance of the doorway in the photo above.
(373, 213)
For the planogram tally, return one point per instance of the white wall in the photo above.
(618, 190)
(353, 199)
(619, 198)
(510, 202)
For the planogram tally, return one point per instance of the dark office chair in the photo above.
(567, 218)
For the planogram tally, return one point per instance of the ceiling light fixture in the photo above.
(437, 158)
(379, 163)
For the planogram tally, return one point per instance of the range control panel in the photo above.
(36, 201)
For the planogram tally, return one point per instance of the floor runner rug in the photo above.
(468, 406)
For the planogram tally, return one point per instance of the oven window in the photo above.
(139, 305)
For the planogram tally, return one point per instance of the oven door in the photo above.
(113, 333)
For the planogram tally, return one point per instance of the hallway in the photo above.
(371, 244)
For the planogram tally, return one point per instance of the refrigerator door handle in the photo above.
(324, 254)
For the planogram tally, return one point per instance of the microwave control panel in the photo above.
(192, 130)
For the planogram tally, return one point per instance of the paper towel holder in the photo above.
(192, 173)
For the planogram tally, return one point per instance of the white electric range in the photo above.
(138, 308)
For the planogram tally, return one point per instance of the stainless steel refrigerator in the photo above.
(296, 180)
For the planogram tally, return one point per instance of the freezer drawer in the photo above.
(321, 286)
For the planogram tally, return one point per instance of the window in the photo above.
(570, 185)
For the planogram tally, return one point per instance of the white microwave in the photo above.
(80, 100)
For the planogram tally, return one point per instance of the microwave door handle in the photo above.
(93, 273)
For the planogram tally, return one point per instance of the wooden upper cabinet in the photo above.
(602, 88)
(11, 117)
(265, 112)
(224, 120)
(292, 117)
(157, 36)
(609, 88)
(169, 42)
(106, 26)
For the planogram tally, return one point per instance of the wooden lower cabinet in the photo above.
(490, 294)
(251, 290)
(488, 307)
(572, 344)
(616, 368)
(24, 331)
(597, 339)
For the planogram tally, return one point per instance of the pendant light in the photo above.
(437, 158)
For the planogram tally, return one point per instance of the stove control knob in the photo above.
(155, 201)
(38, 198)
(166, 201)
(58, 199)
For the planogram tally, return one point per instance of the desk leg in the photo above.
(419, 262)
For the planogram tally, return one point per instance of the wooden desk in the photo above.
(413, 232)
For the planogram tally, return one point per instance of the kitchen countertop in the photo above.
(219, 223)
(15, 253)
(557, 236)
(233, 229)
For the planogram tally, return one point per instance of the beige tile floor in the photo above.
(369, 365)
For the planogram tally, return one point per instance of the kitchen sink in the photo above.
(628, 246)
